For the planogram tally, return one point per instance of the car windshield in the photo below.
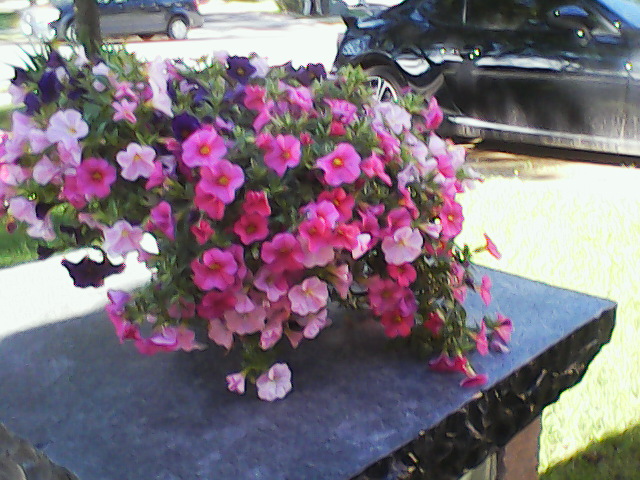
(628, 10)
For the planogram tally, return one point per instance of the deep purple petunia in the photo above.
(32, 103)
(313, 71)
(44, 252)
(55, 60)
(240, 69)
(89, 273)
(49, 87)
(20, 76)
(184, 125)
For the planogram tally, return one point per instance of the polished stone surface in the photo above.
(105, 412)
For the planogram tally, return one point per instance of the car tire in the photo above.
(177, 28)
(386, 83)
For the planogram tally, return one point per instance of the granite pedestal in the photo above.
(358, 409)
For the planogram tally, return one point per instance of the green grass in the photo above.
(582, 235)
(15, 247)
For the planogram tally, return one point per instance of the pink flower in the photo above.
(208, 203)
(315, 233)
(251, 227)
(314, 323)
(136, 161)
(254, 97)
(72, 193)
(222, 179)
(444, 363)
(451, 219)
(202, 231)
(405, 245)
(169, 339)
(485, 289)
(396, 324)
(434, 323)
(340, 166)
(383, 294)
(433, 115)
(45, 171)
(476, 380)
(372, 166)
(323, 209)
(125, 330)
(70, 156)
(482, 344)
(95, 176)
(271, 334)
(122, 238)
(504, 329)
(220, 334)
(236, 383)
(491, 247)
(346, 236)
(342, 110)
(161, 219)
(309, 296)
(246, 322)
(336, 129)
(341, 279)
(404, 273)
(283, 152)
(216, 270)
(301, 98)
(343, 201)
(282, 253)
(274, 284)
(215, 303)
(125, 110)
(395, 116)
(203, 147)
(67, 127)
(275, 383)
(182, 309)
(256, 201)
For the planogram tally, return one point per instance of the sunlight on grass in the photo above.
(581, 235)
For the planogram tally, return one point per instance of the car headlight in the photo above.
(354, 46)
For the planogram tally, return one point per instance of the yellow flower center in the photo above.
(338, 162)
(223, 180)
(205, 150)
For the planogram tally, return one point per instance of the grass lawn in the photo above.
(582, 234)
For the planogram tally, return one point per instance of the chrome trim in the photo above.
(471, 127)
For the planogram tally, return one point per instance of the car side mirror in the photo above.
(569, 17)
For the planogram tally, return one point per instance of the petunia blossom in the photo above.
(122, 238)
(309, 296)
(67, 127)
(405, 245)
(95, 177)
(222, 179)
(275, 383)
(282, 153)
(203, 147)
(491, 247)
(251, 227)
(161, 219)
(216, 270)
(246, 322)
(236, 382)
(136, 161)
(282, 253)
(340, 166)
(396, 324)
(485, 289)
(124, 110)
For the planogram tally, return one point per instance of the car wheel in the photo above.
(70, 33)
(177, 29)
(385, 82)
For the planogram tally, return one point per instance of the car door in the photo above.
(110, 12)
(153, 16)
(522, 70)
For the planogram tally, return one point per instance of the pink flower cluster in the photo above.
(282, 197)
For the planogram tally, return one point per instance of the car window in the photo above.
(628, 10)
(502, 14)
(443, 11)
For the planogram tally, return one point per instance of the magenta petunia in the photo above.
(161, 219)
(485, 289)
(283, 152)
(256, 201)
(282, 253)
(251, 227)
(204, 147)
(396, 324)
(222, 179)
(95, 176)
(342, 165)
(451, 219)
(202, 231)
(491, 247)
(216, 270)
(208, 203)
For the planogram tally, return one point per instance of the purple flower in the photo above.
(32, 102)
(89, 273)
(240, 69)
(313, 71)
(49, 87)
(20, 76)
(184, 125)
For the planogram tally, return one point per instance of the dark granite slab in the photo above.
(104, 412)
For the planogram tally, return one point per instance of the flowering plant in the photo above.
(268, 191)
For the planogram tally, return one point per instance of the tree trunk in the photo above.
(88, 26)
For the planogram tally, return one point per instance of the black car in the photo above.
(554, 72)
(136, 17)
